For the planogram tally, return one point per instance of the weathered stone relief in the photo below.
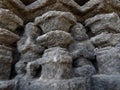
(60, 44)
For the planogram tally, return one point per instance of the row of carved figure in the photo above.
(57, 52)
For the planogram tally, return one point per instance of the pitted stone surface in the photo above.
(108, 59)
(9, 20)
(55, 20)
(106, 39)
(8, 37)
(59, 66)
(55, 38)
(62, 44)
(79, 32)
(84, 48)
(5, 62)
(104, 23)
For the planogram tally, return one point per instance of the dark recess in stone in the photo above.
(38, 71)
(19, 31)
(81, 2)
(27, 2)
(16, 58)
(89, 33)
(94, 62)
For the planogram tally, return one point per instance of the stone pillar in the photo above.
(106, 28)
(58, 66)
(6, 39)
(82, 52)
(56, 62)
(8, 24)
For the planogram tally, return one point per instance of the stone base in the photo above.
(106, 82)
(8, 85)
(66, 84)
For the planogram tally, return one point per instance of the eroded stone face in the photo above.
(106, 39)
(84, 48)
(78, 32)
(5, 62)
(106, 82)
(104, 23)
(8, 37)
(63, 44)
(9, 20)
(108, 60)
(55, 20)
(55, 38)
(56, 64)
(27, 46)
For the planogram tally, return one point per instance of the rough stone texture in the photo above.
(108, 59)
(78, 32)
(83, 68)
(28, 47)
(8, 85)
(55, 38)
(55, 20)
(2, 4)
(104, 23)
(85, 49)
(85, 71)
(5, 62)
(32, 10)
(63, 44)
(71, 84)
(106, 39)
(56, 67)
(8, 37)
(105, 82)
(81, 61)
(28, 40)
(9, 20)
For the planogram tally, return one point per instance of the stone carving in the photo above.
(28, 47)
(56, 20)
(5, 62)
(106, 28)
(8, 24)
(9, 20)
(104, 23)
(59, 44)
(55, 38)
(57, 67)
(8, 37)
(108, 60)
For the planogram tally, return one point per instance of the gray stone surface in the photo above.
(8, 85)
(85, 71)
(104, 23)
(5, 62)
(70, 84)
(55, 38)
(63, 44)
(56, 64)
(84, 48)
(81, 61)
(105, 82)
(79, 32)
(28, 47)
(55, 20)
(106, 39)
(108, 60)
(28, 40)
